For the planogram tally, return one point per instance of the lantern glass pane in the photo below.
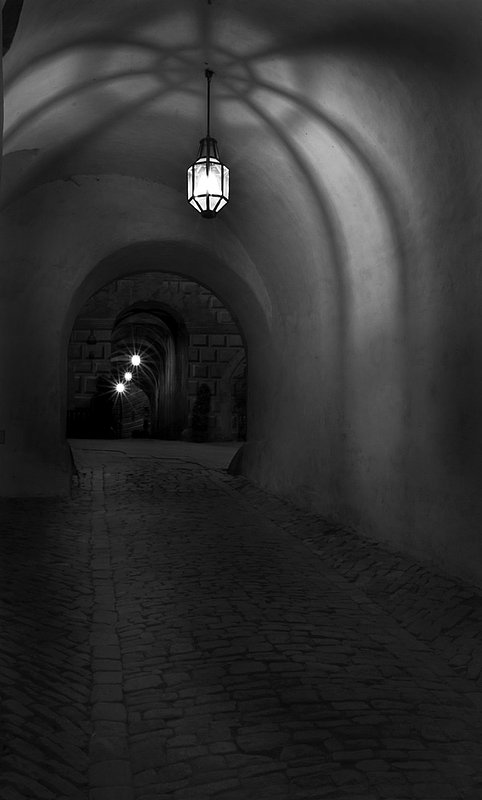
(226, 183)
(208, 190)
(207, 182)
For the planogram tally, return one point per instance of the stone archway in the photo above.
(186, 336)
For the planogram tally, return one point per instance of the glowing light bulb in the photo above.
(208, 182)
(127, 376)
(135, 360)
(120, 387)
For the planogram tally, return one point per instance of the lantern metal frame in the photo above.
(207, 177)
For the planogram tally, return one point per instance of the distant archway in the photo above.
(160, 338)
(187, 341)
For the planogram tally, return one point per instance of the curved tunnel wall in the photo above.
(349, 251)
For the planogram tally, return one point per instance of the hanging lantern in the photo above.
(207, 178)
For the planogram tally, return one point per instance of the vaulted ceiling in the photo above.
(309, 98)
(331, 115)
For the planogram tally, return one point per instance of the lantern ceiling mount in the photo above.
(207, 177)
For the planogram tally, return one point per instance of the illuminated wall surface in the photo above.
(349, 251)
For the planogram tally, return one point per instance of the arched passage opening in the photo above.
(159, 339)
(191, 381)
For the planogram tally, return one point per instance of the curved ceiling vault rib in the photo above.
(125, 110)
(283, 49)
(94, 84)
(148, 321)
(155, 309)
(366, 162)
(139, 329)
(72, 92)
(92, 42)
(320, 196)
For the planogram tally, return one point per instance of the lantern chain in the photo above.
(209, 74)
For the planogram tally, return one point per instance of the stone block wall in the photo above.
(216, 359)
(87, 361)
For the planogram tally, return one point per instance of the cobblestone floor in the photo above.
(171, 632)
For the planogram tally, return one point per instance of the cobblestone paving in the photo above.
(444, 612)
(173, 632)
(45, 671)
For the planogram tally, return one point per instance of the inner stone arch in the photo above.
(191, 383)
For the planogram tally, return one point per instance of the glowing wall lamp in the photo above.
(207, 178)
(135, 360)
(127, 376)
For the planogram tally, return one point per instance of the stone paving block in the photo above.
(222, 747)
(183, 741)
(272, 783)
(110, 773)
(218, 787)
(167, 714)
(209, 763)
(474, 668)
(263, 768)
(107, 652)
(63, 787)
(200, 779)
(175, 678)
(11, 794)
(186, 753)
(174, 772)
(352, 755)
(107, 692)
(17, 708)
(99, 676)
(104, 638)
(108, 748)
(321, 792)
(151, 796)
(347, 777)
(437, 791)
(114, 712)
(108, 728)
(112, 793)
(142, 682)
(311, 736)
(246, 667)
(25, 785)
(262, 742)
(147, 753)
